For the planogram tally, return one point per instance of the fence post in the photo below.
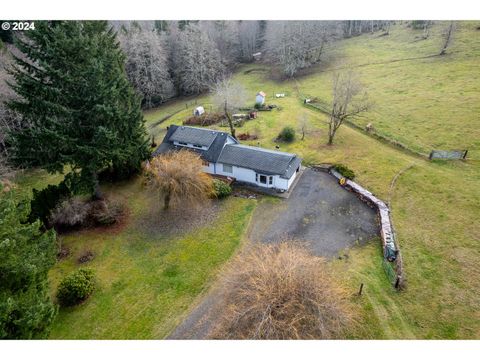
(360, 290)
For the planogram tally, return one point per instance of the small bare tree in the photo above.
(349, 101)
(303, 124)
(179, 176)
(448, 37)
(229, 96)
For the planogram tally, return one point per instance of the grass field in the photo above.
(146, 283)
(146, 278)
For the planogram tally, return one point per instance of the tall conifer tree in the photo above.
(78, 107)
(26, 256)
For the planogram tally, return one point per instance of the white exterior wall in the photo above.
(249, 176)
(241, 174)
(210, 169)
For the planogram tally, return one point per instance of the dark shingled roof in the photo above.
(268, 162)
(264, 161)
(194, 136)
(210, 155)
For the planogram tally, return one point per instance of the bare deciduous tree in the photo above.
(348, 101)
(179, 177)
(296, 44)
(196, 61)
(303, 124)
(448, 37)
(249, 34)
(147, 64)
(225, 36)
(229, 96)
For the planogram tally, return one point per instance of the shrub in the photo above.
(287, 134)
(70, 213)
(247, 136)
(44, 201)
(105, 213)
(344, 171)
(280, 291)
(206, 119)
(221, 189)
(76, 287)
(75, 213)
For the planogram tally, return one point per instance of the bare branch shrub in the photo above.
(179, 177)
(280, 291)
(70, 213)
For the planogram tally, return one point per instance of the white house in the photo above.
(199, 110)
(260, 98)
(224, 155)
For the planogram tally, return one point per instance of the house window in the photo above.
(183, 143)
(270, 180)
(197, 146)
(227, 168)
(256, 177)
(263, 179)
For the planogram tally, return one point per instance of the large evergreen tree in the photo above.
(26, 255)
(77, 104)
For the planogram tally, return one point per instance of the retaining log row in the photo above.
(391, 250)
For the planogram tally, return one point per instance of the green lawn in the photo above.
(147, 283)
(146, 279)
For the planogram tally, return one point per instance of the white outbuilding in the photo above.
(260, 98)
(199, 110)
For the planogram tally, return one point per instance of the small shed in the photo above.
(199, 110)
(260, 99)
(256, 56)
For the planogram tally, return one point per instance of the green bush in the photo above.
(76, 287)
(221, 189)
(345, 171)
(44, 201)
(287, 134)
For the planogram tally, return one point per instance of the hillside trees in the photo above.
(81, 110)
(26, 255)
(249, 34)
(225, 35)
(296, 45)
(196, 61)
(147, 64)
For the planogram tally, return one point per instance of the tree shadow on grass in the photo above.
(155, 221)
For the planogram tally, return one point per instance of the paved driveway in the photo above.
(318, 212)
